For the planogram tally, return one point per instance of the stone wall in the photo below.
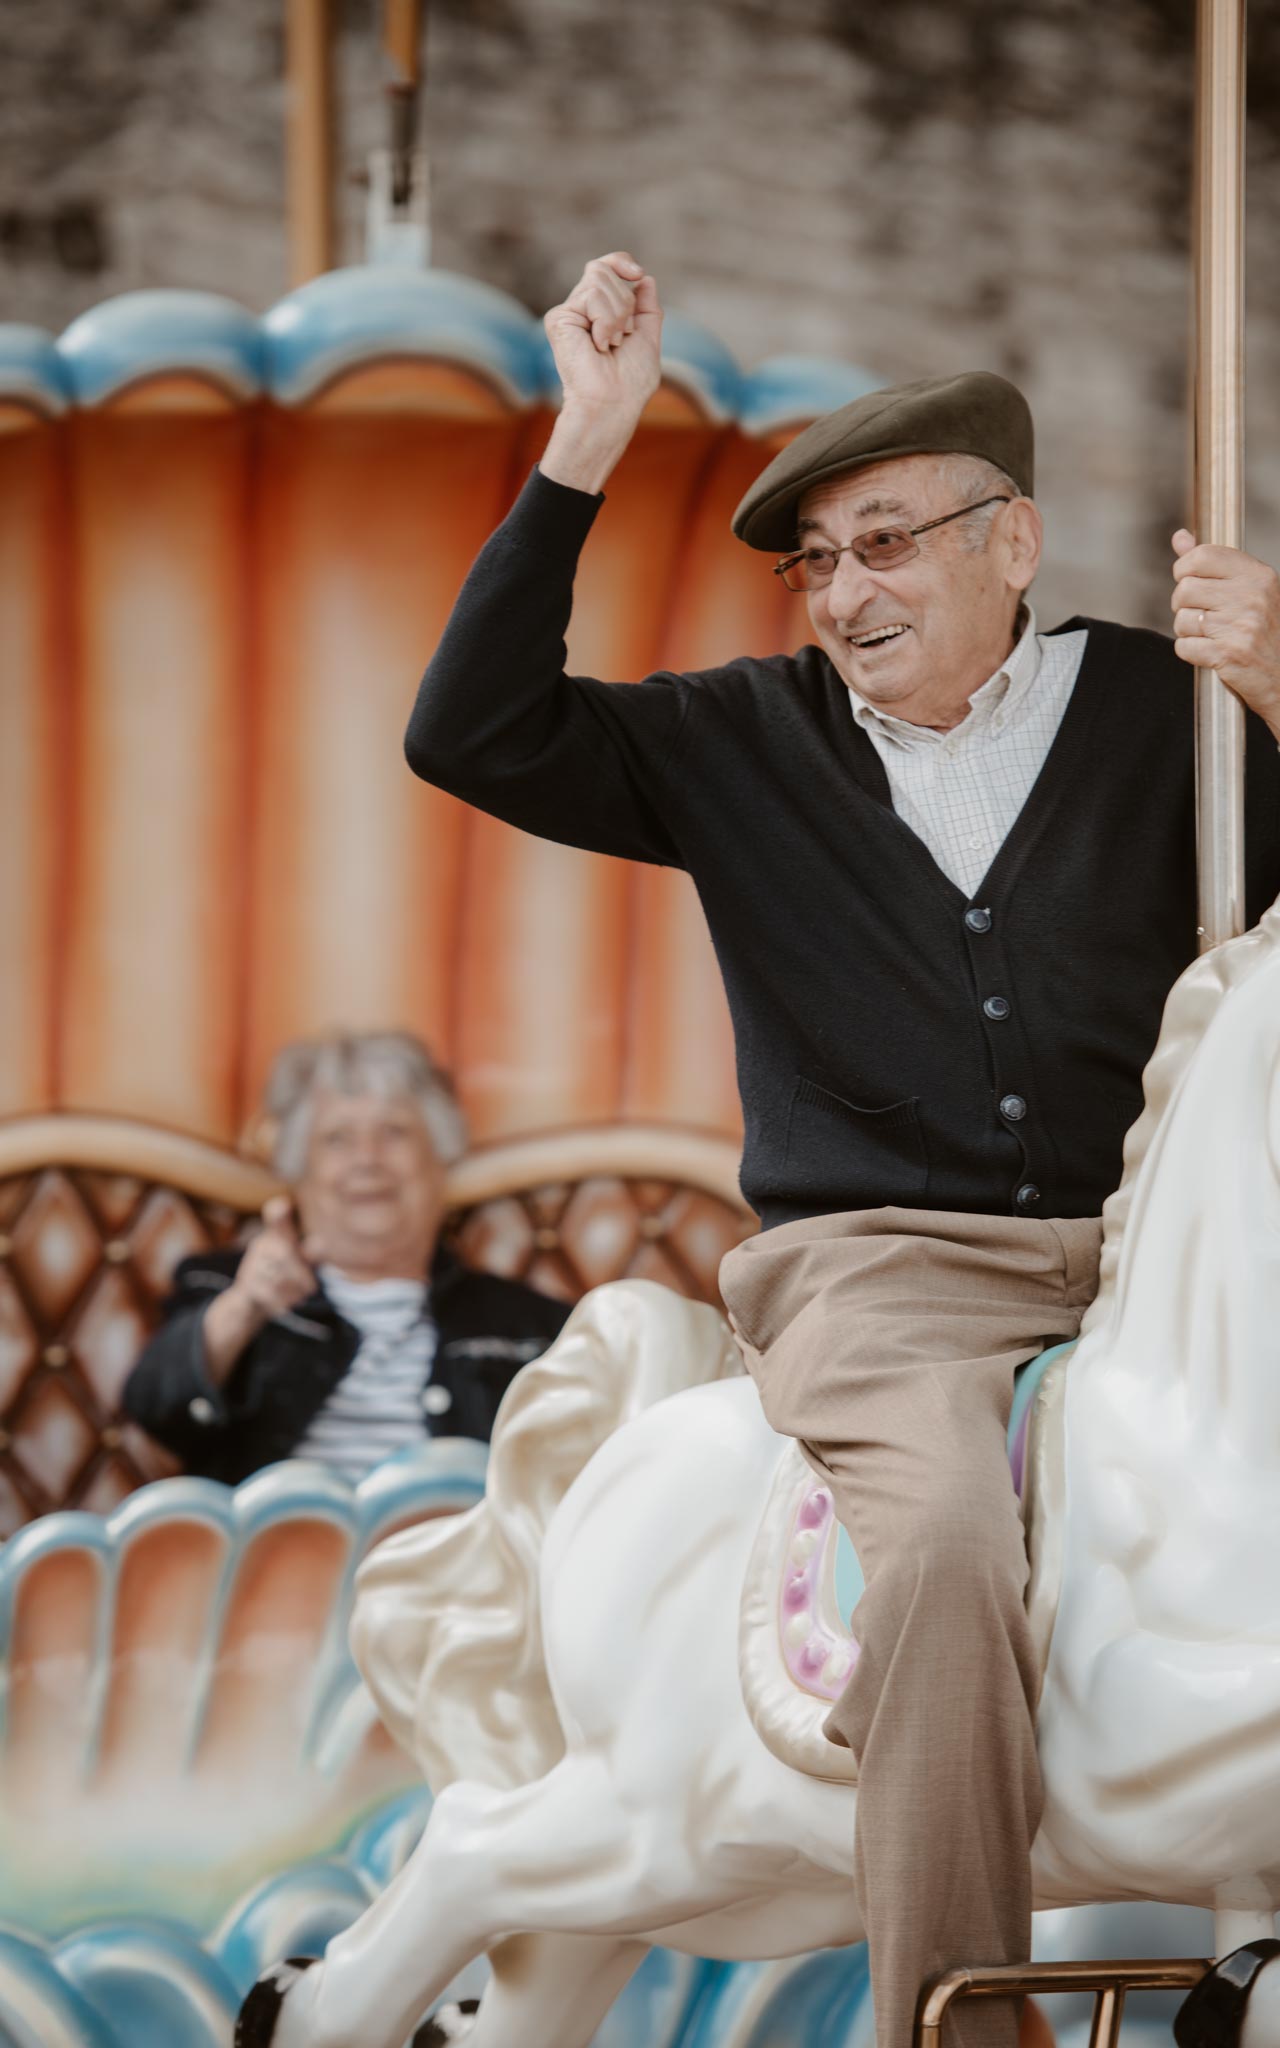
(939, 184)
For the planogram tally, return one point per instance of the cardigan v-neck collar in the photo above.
(1067, 751)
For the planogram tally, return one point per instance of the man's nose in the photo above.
(851, 586)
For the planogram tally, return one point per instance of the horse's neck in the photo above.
(1188, 1317)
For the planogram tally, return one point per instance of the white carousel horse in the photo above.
(613, 1672)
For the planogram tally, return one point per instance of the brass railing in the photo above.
(1109, 1982)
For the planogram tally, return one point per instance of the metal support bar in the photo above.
(1218, 259)
(1108, 1981)
(1108, 2011)
(309, 139)
(402, 38)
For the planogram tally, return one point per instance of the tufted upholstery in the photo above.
(95, 1213)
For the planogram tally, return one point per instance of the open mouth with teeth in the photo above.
(877, 636)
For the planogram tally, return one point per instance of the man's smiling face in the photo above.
(918, 640)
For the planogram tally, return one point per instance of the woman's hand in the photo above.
(273, 1276)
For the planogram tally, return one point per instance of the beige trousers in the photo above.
(886, 1341)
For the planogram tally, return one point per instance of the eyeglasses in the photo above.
(881, 547)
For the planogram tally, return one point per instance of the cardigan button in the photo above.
(1013, 1107)
(997, 1007)
(1028, 1195)
(437, 1400)
(978, 920)
(201, 1409)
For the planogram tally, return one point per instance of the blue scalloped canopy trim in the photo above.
(791, 390)
(351, 318)
(149, 334)
(31, 369)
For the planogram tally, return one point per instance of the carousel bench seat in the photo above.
(95, 1213)
(194, 1781)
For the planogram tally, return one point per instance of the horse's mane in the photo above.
(447, 1624)
(1192, 1004)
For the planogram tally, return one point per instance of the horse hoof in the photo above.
(450, 2023)
(1212, 2016)
(256, 2024)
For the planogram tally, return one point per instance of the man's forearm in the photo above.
(586, 446)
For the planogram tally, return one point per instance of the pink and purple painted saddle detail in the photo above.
(822, 1580)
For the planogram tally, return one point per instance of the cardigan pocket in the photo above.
(849, 1156)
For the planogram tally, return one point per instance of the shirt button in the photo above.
(1014, 1107)
(1028, 1195)
(437, 1400)
(997, 1007)
(978, 920)
(201, 1409)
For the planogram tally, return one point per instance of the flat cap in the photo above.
(976, 413)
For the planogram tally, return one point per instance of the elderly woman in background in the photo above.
(343, 1331)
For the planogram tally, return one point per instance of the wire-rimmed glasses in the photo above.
(880, 547)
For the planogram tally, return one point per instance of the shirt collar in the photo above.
(991, 707)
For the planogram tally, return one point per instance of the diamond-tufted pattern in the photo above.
(86, 1257)
(567, 1237)
(86, 1262)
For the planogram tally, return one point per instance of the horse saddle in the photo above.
(797, 1647)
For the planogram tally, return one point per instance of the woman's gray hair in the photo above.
(387, 1063)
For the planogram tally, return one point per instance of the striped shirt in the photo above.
(960, 791)
(377, 1406)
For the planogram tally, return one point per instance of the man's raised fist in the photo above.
(607, 336)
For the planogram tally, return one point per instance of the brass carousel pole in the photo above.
(1218, 258)
(309, 138)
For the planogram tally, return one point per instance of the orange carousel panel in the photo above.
(724, 602)
(727, 601)
(542, 980)
(168, 1583)
(549, 936)
(401, 387)
(367, 525)
(33, 754)
(52, 1648)
(150, 1013)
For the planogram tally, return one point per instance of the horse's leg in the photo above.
(557, 1856)
(552, 1990)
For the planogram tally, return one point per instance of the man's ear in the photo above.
(1024, 538)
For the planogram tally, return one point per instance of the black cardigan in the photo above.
(488, 1328)
(871, 1068)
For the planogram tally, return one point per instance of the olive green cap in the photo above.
(976, 413)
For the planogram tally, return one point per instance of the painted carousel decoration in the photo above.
(611, 1668)
(633, 1752)
(226, 544)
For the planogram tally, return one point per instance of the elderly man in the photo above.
(344, 1331)
(948, 864)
